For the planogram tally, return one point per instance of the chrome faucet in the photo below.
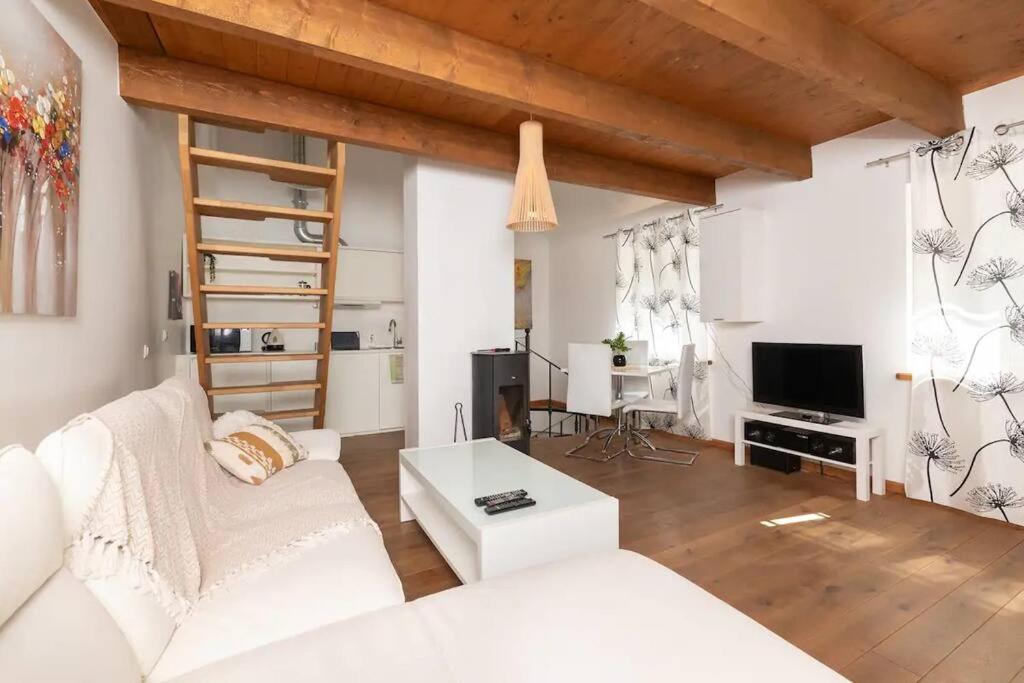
(393, 329)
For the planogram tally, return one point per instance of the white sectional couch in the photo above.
(335, 612)
(346, 575)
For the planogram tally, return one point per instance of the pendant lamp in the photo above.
(532, 208)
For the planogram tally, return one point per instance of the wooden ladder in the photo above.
(331, 179)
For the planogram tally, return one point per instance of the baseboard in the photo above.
(714, 443)
(891, 487)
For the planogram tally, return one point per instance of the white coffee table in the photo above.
(437, 486)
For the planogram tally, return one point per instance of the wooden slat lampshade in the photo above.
(532, 207)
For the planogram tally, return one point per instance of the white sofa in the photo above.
(346, 575)
(334, 613)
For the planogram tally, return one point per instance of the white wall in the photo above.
(166, 218)
(839, 261)
(836, 272)
(54, 369)
(459, 288)
(582, 277)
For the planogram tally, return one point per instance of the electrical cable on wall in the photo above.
(747, 389)
(721, 355)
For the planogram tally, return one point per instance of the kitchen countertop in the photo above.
(333, 352)
(387, 350)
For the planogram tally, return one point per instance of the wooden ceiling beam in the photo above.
(218, 95)
(129, 27)
(381, 40)
(797, 35)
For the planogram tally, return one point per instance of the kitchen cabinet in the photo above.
(732, 267)
(292, 371)
(353, 393)
(361, 396)
(231, 374)
(392, 392)
(368, 275)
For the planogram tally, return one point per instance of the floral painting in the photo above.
(524, 294)
(40, 139)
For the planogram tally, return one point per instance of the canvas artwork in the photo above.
(40, 137)
(524, 294)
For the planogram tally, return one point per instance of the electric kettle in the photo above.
(272, 341)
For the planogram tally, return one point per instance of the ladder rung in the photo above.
(265, 326)
(282, 414)
(289, 414)
(260, 357)
(261, 289)
(280, 171)
(256, 212)
(272, 387)
(273, 253)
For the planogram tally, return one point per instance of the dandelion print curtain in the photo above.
(657, 285)
(966, 445)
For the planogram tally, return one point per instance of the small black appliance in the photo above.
(774, 460)
(345, 341)
(224, 339)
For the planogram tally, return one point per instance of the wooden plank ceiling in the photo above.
(662, 93)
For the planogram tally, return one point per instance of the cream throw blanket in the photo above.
(166, 517)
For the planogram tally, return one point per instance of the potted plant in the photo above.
(619, 348)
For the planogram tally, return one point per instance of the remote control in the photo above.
(494, 498)
(509, 505)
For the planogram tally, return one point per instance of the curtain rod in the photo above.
(713, 207)
(1001, 129)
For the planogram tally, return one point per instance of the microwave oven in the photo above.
(224, 339)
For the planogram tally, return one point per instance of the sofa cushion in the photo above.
(52, 629)
(256, 452)
(72, 456)
(322, 444)
(62, 633)
(608, 617)
(31, 531)
(346, 575)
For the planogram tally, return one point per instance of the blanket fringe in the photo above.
(285, 553)
(99, 558)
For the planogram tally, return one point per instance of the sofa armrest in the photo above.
(322, 444)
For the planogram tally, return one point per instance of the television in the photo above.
(825, 378)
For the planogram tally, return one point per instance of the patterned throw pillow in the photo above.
(254, 453)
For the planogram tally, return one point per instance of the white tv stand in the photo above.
(870, 447)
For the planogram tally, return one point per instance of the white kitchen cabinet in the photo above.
(227, 375)
(361, 398)
(353, 393)
(292, 371)
(732, 272)
(392, 392)
(368, 275)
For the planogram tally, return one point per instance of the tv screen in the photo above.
(827, 378)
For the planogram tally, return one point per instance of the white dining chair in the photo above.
(636, 388)
(591, 391)
(680, 406)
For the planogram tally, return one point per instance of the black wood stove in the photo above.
(501, 397)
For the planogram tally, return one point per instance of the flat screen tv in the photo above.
(827, 378)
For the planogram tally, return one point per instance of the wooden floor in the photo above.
(890, 590)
